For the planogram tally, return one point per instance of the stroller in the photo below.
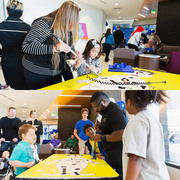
(6, 171)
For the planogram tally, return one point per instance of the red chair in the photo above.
(173, 65)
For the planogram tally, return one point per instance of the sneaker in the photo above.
(3, 86)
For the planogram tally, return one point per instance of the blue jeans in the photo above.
(6, 145)
(38, 145)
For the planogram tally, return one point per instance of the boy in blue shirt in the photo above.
(22, 155)
(98, 149)
(80, 127)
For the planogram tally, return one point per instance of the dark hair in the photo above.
(86, 127)
(141, 98)
(143, 35)
(99, 95)
(108, 31)
(88, 47)
(11, 108)
(31, 112)
(84, 109)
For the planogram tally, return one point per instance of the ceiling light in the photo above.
(47, 110)
(25, 104)
(68, 105)
(146, 8)
(141, 15)
(76, 95)
(26, 91)
(24, 111)
(43, 116)
(116, 4)
(118, 12)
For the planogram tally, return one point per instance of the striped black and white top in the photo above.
(38, 48)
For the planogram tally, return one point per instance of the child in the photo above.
(35, 154)
(99, 151)
(91, 55)
(143, 140)
(22, 155)
(4, 163)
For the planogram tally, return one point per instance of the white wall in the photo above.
(3, 110)
(93, 17)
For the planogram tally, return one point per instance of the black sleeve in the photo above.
(22, 123)
(39, 128)
(118, 119)
(0, 128)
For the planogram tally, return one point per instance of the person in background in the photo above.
(56, 142)
(9, 130)
(143, 139)
(12, 33)
(113, 122)
(150, 45)
(135, 38)
(118, 37)
(44, 56)
(79, 128)
(109, 43)
(71, 143)
(22, 155)
(35, 123)
(35, 154)
(91, 56)
(4, 161)
(96, 147)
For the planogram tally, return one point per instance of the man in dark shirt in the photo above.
(9, 130)
(113, 122)
(118, 37)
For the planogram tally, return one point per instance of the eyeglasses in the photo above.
(95, 107)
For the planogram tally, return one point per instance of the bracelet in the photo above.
(103, 137)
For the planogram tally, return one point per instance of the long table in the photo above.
(140, 79)
(68, 166)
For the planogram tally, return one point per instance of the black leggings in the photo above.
(37, 81)
(132, 46)
(107, 49)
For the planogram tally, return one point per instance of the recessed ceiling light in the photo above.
(43, 116)
(141, 15)
(118, 12)
(116, 4)
(25, 104)
(119, 17)
(146, 8)
(24, 111)
(67, 105)
(76, 95)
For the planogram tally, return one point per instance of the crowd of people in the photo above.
(116, 140)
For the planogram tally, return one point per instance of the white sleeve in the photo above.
(135, 138)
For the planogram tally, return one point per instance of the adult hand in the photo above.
(15, 140)
(97, 137)
(61, 47)
(30, 164)
(79, 61)
(2, 139)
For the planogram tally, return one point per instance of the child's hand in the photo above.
(30, 164)
(78, 53)
(79, 61)
(93, 68)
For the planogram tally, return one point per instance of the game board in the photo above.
(63, 166)
(140, 79)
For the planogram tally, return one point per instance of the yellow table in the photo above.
(172, 81)
(66, 166)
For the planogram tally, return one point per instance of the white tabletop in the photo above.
(149, 55)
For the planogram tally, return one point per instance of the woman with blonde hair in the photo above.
(44, 59)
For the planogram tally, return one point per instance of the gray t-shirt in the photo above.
(143, 136)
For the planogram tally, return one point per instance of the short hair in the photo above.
(141, 98)
(99, 95)
(31, 112)
(24, 129)
(84, 109)
(14, 4)
(86, 127)
(11, 108)
(118, 27)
